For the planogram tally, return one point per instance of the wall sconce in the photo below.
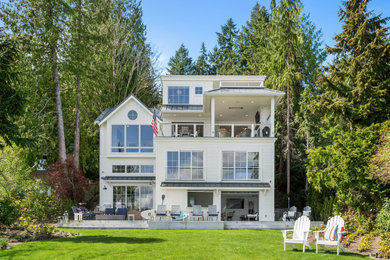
(163, 198)
(104, 188)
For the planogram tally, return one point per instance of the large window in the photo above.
(199, 198)
(185, 165)
(136, 198)
(139, 138)
(178, 95)
(240, 165)
(132, 169)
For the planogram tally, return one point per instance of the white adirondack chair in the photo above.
(300, 233)
(336, 220)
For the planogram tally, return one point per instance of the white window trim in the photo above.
(178, 166)
(246, 167)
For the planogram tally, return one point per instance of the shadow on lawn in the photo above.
(111, 240)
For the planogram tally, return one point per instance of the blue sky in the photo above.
(172, 22)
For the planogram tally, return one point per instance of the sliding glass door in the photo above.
(134, 197)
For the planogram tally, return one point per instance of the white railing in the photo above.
(219, 130)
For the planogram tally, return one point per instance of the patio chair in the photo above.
(292, 214)
(197, 212)
(333, 234)
(230, 215)
(161, 211)
(78, 215)
(122, 212)
(212, 212)
(109, 211)
(306, 211)
(86, 212)
(175, 211)
(300, 234)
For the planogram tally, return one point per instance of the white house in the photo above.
(215, 146)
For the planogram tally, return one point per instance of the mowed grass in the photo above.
(166, 244)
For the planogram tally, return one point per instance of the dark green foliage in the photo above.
(11, 99)
(181, 63)
(357, 84)
(9, 211)
(202, 65)
(383, 218)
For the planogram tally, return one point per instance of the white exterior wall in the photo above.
(108, 158)
(212, 167)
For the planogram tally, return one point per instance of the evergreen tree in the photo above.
(227, 54)
(357, 84)
(202, 65)
(181, 63)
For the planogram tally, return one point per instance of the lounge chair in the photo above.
(212, 212)
(197, 212)
(292, 214)
(86, 212)
(78, 215)
(333, 234)
(161, 211)
(300, 234)
(122, 212)
(175, 211)
(306, 211)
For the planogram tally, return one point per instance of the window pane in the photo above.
(118, 169)
(228, 159)
(147, 169)
(132, 168)
(119, 195)
(240, 173)
(132, 198)
(146, 198)
(253, 173)
(178, 95)
(197, 159)
(172, 159)
(172, 173)
(132, 137)
(228, 173)
(185, 159)
(253, 159)
(146, 136)
(118, 137)
(199, 198)
(197, 174)
(240, 159)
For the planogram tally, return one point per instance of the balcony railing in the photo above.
(182, 107)
(220, 130)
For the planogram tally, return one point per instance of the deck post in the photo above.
(212, 117)
(273, 117)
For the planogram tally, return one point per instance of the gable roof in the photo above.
(110, 111)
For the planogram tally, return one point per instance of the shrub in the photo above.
(384, 246)
(383, 218)
(349, 238)
(4, 243)
(35, 229)
(365, 242)
(9, 211)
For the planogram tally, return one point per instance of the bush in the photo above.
(35, 229)
(349, 238)
(3, 243)
(9, 211)
(384, 246)
(383, 218)
(365, 242)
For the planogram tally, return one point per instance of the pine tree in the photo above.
(202, 65)
(181, 62)
(227, 54)
(357, 83)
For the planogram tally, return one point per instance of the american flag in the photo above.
(154, 124)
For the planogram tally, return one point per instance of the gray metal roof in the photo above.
(246, 89)
(217, 184)
(108, 111)
(129, 178)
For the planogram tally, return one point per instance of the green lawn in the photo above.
(173, 244)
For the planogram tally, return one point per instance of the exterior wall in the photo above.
(107, 158)
(195, 99)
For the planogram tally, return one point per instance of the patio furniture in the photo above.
(132, 216)
(148, 214)
(300, 234)
(78, 215)
(161, 211)
(333, 234)
(254, 216)
(86, 212)
(292, 214)
(122, 212)
(306, 211)
(197, 212)
(229, 215)
(109, 211)
(175, 211)
(212, 212)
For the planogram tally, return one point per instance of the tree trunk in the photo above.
(288, 139)
(307, 150)
(60, 120)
